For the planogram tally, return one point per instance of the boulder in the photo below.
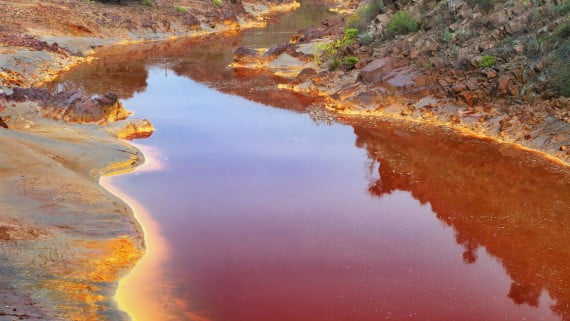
(73, 106)
(374, 71)
(277, 49)
(132, 129)
(3, 124)
(243, 51)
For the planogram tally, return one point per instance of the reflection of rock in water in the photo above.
(511, 202)
(124, 70)
(124, 78)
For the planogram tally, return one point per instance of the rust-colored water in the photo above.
(270, 216)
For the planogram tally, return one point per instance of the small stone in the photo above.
(503, 83)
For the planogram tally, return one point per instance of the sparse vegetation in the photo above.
(446, 36)
(559, 77)
(533, 46)
(180, 9)
(331, 52)
(564, 8)
(350, 61)
(403, 22)
(365, 39)
(365, 15)
(488, 62)
(486, 5)
(563, 32)
(559, 72)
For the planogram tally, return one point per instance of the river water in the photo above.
(257, 212)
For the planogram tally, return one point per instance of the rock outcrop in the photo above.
(73, 106)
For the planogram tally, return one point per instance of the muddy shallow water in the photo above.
(267, 214)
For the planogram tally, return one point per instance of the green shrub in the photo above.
(533, 46)
(558, 75)
(331, 52)
(564, 8)
(483, 4)
(350, 35)
(333, 63)
(488, 61)
(365, 14)
(403, 22)
(147, 3)
(446, 35)
(218, 3)
(563, 31)
(350, 61)
(365, 39)
(181, 9)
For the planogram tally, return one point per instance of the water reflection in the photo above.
(123, 69)
(510, 202)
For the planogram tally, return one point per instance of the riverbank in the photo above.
(362, 69)
(65, 240)
(32, 53)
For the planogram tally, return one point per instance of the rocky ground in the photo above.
(499, 71)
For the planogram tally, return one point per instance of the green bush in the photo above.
(333, 63)
(331, 52)
(558, 76)
(147, 3)
(350, 35)
(350, 61)
(483, 4)
(403, 22)
(563, 32)
(218, 3)
(488, 61)
(564, 8)
(446, 35)
(533, 46)
(365, 39)
(181, 9)
(365, 14)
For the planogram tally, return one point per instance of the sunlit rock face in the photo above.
(132, 129)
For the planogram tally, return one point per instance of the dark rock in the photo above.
(191, 20)
(73, 106)
(277, 49)
(374, 71)
(22, 94)
(245, 51)
(3, 124)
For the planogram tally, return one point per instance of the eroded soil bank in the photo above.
(435, 74)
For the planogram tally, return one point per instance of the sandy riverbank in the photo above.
(65, 240)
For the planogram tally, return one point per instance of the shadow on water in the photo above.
(273, 218)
